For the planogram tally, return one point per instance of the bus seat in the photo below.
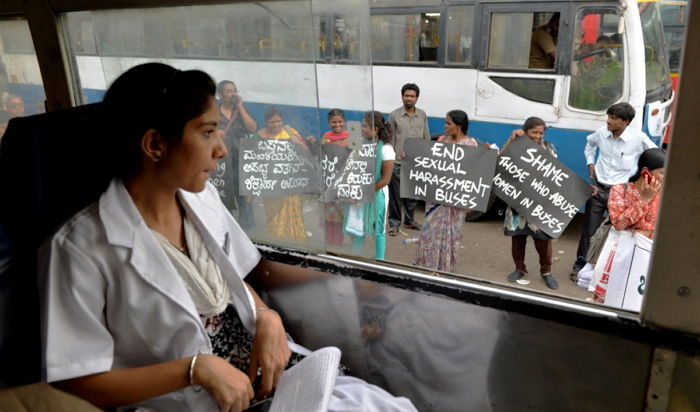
(51, 166)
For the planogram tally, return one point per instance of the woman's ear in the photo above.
(153, 145)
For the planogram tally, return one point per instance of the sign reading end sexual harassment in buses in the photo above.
(269, 167)
(538, 186)
(447, 173)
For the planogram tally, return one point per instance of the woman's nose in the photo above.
(221, 149)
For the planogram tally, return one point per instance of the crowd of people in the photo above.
(611, 153)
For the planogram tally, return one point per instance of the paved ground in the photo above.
(486, 251)
(486, 255)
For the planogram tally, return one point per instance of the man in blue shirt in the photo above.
(619, 147)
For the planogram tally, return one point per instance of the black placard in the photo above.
(272, 168)
(538, 186)
(333, 159)
(356, 181)
(447, 173)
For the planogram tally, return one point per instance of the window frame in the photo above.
(488, 9)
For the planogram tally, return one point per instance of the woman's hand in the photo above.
(270, 351)
(648, 190)
(513, 135)
(228, 385)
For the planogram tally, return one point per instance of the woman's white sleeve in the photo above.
(75, 336)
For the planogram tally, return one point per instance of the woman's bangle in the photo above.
(192, 363)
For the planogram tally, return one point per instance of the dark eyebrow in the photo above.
(214, 123)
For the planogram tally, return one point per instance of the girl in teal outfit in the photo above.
(375, 128)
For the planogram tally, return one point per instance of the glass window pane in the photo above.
(460, 26)
(405, 37)
(597, 69)
(509, 40)
(266, 51)
(82, 37)
(654, 52)
(21, 86)
(537, 90)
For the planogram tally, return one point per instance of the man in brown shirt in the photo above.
(407, 121)
(543, 45)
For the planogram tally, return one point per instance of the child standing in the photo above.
(333, 211)
(518, 228)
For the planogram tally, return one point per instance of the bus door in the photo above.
(521, 61)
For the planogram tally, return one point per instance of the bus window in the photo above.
(405, 37)
(522, 41)
(597, 70)
(266, 55)
(658, 75)
(21, 88)
(460, 26)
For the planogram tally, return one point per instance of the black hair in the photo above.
(271, 112)
(152, 96)
(220, 86)
(460, 118)
(651, 159)
(532, 122)
(410, 86)
(336, 112)
(622, 110)
(375, 119)
(555, 17)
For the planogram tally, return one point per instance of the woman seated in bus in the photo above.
(634, 205)
(144, 302)
(369, 218)
(518, 228)
(284, 214)
(441, 235)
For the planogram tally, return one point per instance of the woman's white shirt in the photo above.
(112, 298)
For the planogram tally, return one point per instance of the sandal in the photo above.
(550, 281)
(515, 276)
(392, 232)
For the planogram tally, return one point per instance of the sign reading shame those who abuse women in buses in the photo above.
(272, 168)
(539, 187)
(447, 173)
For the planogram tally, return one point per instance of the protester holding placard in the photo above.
(633, 207)
(333, 213)
(518, 228)
(284, 214)
(441, 234)
(236, 124)
(369, 218)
